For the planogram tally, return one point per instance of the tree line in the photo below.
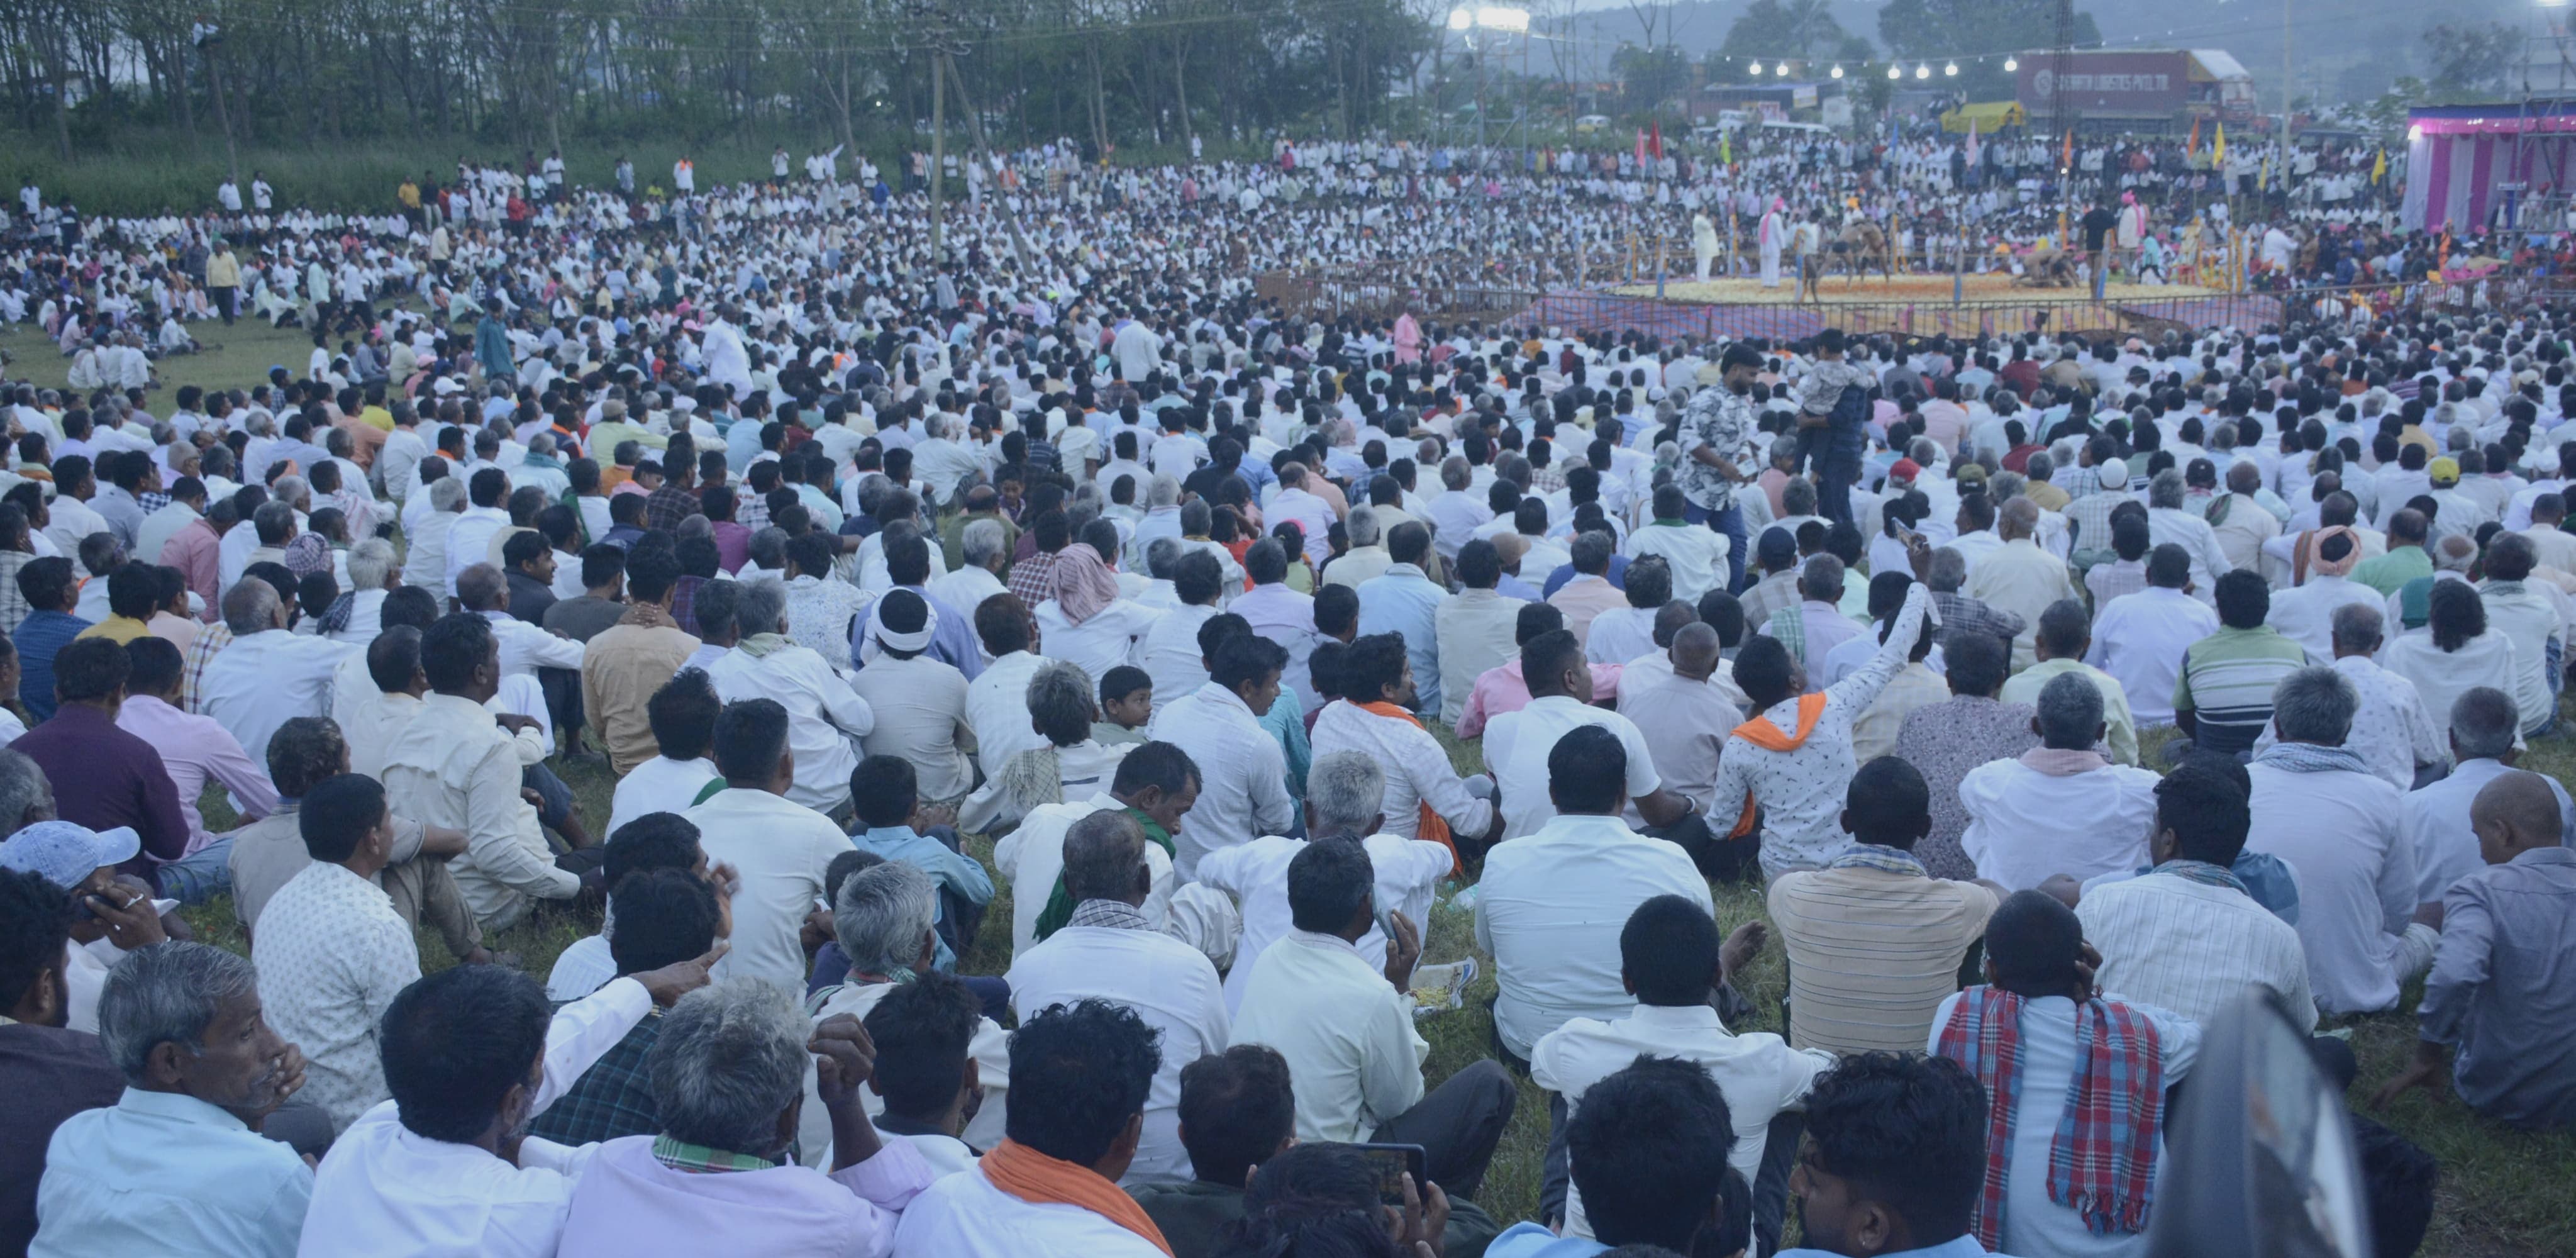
(540, 73)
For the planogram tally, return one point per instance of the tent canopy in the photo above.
(1989, 116)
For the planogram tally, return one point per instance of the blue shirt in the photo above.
(957, 873)
(1529, 1240)
(952, 641)
(1404, 601)
(38, 638)
(164, 1173)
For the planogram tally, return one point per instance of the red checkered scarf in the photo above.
(2102, 1162)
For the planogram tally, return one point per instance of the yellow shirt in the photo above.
(378, 417)
(121, 630)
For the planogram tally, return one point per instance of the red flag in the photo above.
(1657, 145)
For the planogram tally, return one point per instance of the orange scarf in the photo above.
(1760, 732)
(1430, 825)
(1038, 1179)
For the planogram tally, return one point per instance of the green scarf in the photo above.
(764, 645)
(1059, 905)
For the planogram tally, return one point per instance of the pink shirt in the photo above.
(195, 749)
(197, 552)
(1500, 689)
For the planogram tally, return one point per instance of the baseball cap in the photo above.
(66, 854)
(1905, 470)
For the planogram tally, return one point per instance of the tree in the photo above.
(1649, 77)
(2471, 60)
(1930, 29)
(1796, 29)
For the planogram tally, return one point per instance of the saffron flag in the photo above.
(1656, 144)
(2066, 157)
(2192, 149)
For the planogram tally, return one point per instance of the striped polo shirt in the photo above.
(2227, 680)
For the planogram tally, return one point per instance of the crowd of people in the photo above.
(843, 561)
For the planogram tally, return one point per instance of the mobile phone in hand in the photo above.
(1392, 1163)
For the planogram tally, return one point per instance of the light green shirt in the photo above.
(2024, 687)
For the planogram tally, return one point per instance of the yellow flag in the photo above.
(2218, 154)
(2379, 168)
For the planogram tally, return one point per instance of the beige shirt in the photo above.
(2020, 578)
(621, 668)
(1872, 954)
(1686, 723)
(1474, 631)
(1874, 732)
(451, 766)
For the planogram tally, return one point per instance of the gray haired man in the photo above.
(198, 1129)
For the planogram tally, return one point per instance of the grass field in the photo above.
(2503, 1193)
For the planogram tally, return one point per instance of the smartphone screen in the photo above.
(1393, 1162)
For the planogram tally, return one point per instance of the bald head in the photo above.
(2454, 552)
(2515, 813)
(1695, 651)
(2244, 478)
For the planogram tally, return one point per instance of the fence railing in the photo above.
(1379, 294)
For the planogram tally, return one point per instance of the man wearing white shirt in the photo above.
(2018, 577)
(471, 533)
(1477, 628)
(2061, 807)
(1278, 613)
(1109, 951)
(453, 765)
(1344, 791)
(682, 715)
(1671, 957)
(425, 565)
(826, 718)
(2533, 615)
(525, 648)
(780, 850)
(1243, 790)
(1519, 745)
(2483, 728)
(1697, 553)
(2317, 806)
(2170, 523)
(1170, 652)
(2392, 731)
(1550, 903)
(424, 1173)
(2187, 935)
(1093, 1049)
(997, 701)
(1313, 515)
(268, 674)
(1425, 798)
(1342, 1017)
(2140, 638)
(1157, 784)
(178, 1164)
(2305, 613)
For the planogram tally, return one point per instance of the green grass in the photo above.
(2504, 1193)
(238, 358)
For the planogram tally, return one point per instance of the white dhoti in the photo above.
(1706, 253)
(1770, 264)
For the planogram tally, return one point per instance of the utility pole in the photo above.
(223, 112)
(2286, 89)
(938, 155)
